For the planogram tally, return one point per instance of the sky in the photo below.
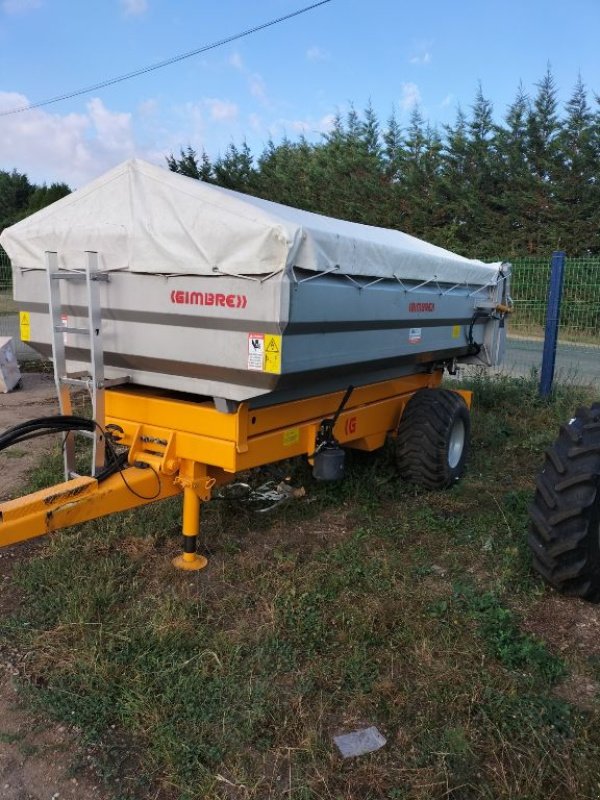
(289, 79)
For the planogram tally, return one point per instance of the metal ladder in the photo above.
(92, 379)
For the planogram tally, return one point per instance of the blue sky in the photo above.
(291, 78)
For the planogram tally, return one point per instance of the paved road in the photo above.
(574, 363)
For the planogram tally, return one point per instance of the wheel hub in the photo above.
(456, 444)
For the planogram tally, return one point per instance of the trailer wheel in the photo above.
(433, 438)
(564, 533)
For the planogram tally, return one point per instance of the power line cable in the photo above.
(173, 60)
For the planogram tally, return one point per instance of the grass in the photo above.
(369, 602)
(7, 304)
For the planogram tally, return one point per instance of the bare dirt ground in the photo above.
(37, 398)
(39, 760)
(570, 626)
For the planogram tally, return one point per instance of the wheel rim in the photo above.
(456, 444)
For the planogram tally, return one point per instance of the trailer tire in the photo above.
(432, 442)
(564, 531)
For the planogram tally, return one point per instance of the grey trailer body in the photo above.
(332, 331)
(214, 293)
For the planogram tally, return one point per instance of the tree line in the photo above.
(19, 197)
(525, 185)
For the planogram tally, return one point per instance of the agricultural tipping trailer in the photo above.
(217, 332)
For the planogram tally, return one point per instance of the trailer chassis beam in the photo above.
(181, 447)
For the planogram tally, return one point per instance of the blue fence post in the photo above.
(555, 288)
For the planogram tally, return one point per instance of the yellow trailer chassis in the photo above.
(178, 446)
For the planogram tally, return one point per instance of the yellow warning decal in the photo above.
(272, 353)
(25, 326)
(455, 331)
(291, 436)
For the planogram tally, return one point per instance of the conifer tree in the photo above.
(518, 184)
(15, 193)
(419, 191)
(577, 188)
(454, 186)
(543, 153)
(235, 170)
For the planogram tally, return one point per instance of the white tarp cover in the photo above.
(146, 219)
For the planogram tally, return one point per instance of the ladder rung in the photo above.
(75, 381)
(65, 329)
(79, 276)
(81, 373)
(72, 380)
(68, 276)
(86, 434)
(116, 381)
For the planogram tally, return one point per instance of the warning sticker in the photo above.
(25, 326)
(256, 351)
(455, 331)
(273, 354)
(414, 335)
(291, 436)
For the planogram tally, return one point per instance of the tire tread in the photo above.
(565, 513)
(423, 434)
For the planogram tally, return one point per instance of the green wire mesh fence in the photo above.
(5, 273)
(7, 305)
(580, 310)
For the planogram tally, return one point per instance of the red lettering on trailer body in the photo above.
(179, 297)
(420, 308)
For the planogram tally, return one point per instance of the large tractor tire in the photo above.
(432, 444)
(564, 534)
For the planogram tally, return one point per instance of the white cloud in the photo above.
(113, 129)
(421, 52)
(411, 96)
(149, 107)
(421, 58)
(256, 83)
(255, 122)
(221, 110)
(302, 126)
(447, 101)
(326, 123)
(316, 53)
(134, 8)
(19, 6)
(188, 120)
(66, 147)
(258, 88)
(235, 60)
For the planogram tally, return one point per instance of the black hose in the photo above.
(44, 425)
(64, 423)
(475, 347)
